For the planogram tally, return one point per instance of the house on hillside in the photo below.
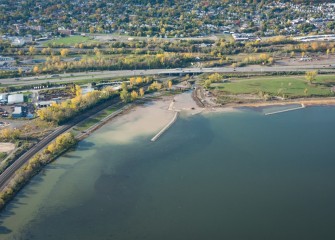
(65, 31)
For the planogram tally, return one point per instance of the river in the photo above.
(232, 175)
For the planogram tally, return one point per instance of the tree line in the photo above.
(62, 112)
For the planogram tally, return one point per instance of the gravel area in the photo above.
(7, 147)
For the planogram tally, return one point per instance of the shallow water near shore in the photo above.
(224, 175)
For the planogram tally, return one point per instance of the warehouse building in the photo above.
(15, 98)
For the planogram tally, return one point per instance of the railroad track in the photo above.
(7, 175)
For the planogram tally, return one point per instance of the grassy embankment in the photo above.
(283, 86)
(95, 119)
(55, 83)
(69, 41)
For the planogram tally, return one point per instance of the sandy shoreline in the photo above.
(150, 118)
(141, 120)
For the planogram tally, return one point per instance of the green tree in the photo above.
(124, 95)
(311, 76)
(207, 83)
(306, 91)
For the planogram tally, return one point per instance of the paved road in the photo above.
(8, 173)
(73, 77)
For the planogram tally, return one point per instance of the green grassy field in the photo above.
(291, 86)
(69, 41)
(88, 123)
(91, 121)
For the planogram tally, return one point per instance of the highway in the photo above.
(6, 176)
(80, 76)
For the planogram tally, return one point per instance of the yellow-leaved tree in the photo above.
(64, 52)
(141, 92)
(311, 76)
(170, 84)
(36, 69)
(133, 95)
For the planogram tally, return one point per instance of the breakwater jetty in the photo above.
(165, 128)
(286, 110)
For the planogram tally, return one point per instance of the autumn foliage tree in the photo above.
(68, 109)
(141, 92)
(32, 50)
(170, 84)
(9, 134)
(64, 52)
(155, 86)
(60, 143)
(311, 76)
(133, 95)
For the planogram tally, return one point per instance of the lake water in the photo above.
(239, 175)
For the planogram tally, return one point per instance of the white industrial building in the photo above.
(15, 98)
(42, 104)
(17, 112)
(86, 90)
(3, 97)
(241, 37)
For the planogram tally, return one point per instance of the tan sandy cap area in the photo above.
(6, 147)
